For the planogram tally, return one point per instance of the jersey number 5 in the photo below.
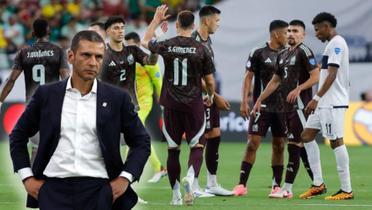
(176, 69)
(38, 73)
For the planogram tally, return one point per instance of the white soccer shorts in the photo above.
(329, 120)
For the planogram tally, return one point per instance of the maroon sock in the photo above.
(306, 163)
(174, 166)
(245, 170)
(293, 163)
(211, 154)
(277, 173)
(196, 159)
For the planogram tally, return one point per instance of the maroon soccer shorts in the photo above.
(265, 120)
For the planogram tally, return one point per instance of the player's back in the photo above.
(40, 63)
(186, 61)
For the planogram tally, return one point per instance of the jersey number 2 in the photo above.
(176, 77)
(38, 73)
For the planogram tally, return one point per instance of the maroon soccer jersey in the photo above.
(186, 61)
(294, 66)
(262, 62)
(119, 68)
(40, 63)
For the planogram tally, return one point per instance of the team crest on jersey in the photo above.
(337, 50)
(281, 61)
(130, 59)
(292, 61)
(312, 61)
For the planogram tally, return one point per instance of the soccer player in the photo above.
(209, 23)
(119, 62)
(296, 73)
(261, 65)
(328, 108)
(38, 62)
(148, 80)
(186, 62)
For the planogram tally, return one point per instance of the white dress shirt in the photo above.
(78, 152)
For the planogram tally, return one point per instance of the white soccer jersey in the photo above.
(336, 54)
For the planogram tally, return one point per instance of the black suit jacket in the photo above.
(115, 115)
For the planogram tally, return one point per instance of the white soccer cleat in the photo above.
(176, 201)
(199, 193)
(157, 176)
(218, 190)
(281, 194)
(274, 190)
(141, 201)
(188, 197)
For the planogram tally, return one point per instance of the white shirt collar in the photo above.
(93, 90)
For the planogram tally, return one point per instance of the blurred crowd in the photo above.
(66, 17)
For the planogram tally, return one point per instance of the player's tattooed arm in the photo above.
(159, 16)
(314, 78)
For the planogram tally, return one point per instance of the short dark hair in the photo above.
(325, 16)
(297, 22)
(134, 36)
(185, 18)
(208, 10)
(276, 24)
(40, 28)
(91, 36)
(99, 24)
(112, 20)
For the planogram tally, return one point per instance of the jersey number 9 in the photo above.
(38, 73)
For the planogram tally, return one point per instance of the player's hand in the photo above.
(256, 108)
(118, 187)
(32, 186)
(244, 110)
(292, 96)
(311, 106)
(160, 14)
(221, 103)
(164, 26)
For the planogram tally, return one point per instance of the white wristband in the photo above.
(316, 98)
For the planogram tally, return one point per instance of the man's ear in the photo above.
(70, 56)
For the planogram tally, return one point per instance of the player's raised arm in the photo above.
(159, 16)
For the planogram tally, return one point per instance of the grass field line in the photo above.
(270, 204)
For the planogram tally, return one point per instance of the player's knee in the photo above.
(252, 146)
(278, 147)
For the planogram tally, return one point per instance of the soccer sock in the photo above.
(313, 156)
(176, 190)
(293, 163)
(305, 161)
(342, 160)
(211, 154)
(245, 170)
(196, 159)
(154, 160)
(288, 187)
(174, 166)
(211, 180)
(277, 174)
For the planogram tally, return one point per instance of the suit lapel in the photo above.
(103, 111)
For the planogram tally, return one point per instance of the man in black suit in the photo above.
(78, 163)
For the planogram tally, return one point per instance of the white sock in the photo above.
(342, 160)
(176, 190)
(191, 174)
(195, 184)
(287, 187)
(211, 180)
(274, 183)
(313, 154)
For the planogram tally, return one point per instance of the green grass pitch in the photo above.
(158, 195)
